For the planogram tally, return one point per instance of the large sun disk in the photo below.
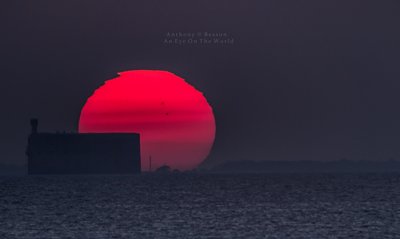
(175, 121)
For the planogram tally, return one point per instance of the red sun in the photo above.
(175, 122)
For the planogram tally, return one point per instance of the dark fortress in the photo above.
(68, 153)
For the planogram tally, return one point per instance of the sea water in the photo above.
(201, 206)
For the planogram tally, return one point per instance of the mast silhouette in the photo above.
(150, 163)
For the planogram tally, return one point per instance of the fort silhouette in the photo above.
(87, 153)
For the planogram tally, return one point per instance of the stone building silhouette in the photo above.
(88, 153)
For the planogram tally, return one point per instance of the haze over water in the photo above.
(201, 206)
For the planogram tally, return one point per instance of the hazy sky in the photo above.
(310, 79)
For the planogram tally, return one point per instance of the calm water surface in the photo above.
(201, 206)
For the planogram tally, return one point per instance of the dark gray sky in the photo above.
(312, 79)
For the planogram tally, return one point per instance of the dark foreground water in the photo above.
(201, 206)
